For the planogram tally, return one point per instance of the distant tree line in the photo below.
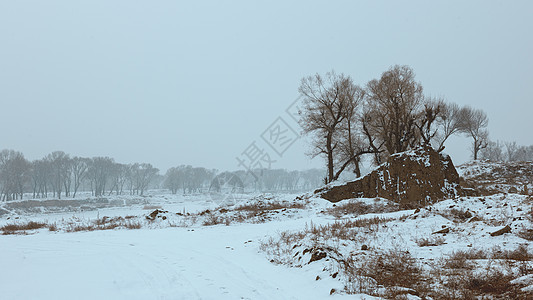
(188, 179)
(390, 114)
(507, 151)
(59, 175)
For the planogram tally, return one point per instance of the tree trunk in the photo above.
(329, 150)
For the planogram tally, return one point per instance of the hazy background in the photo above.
(195, 83)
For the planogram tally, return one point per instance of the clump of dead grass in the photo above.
(152, 207)
(391, 274)
(430, 241)
(21, 228)
(104, 223)
(461, 259)
(263, 206)
(521, 253)
(356, 208)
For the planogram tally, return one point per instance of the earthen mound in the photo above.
(413, 178)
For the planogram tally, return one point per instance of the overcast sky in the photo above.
(196, 82)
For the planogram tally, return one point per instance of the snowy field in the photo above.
(258, 247)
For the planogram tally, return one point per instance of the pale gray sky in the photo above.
(172, 82)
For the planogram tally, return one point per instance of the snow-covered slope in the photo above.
(261, 247)
(490, 177)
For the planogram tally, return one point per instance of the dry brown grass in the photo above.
(344, 229)
(460, 278)
(356, 208)
(526, 234)
(262, 206)
(395, 270)
(430, 241)
(461, 259)
(214, 219)
(490, 283)
(394, 274)
(52, 227)
(21, 227)
(105, 223)
(152, 207)
(521, 253)
(259, 212)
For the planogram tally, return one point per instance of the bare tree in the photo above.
(328, 103)
(351, 141)
(475, 125)
(120, 174)
(141, 175)
(14, 174)
(426, 121)
(493, 151)
(40, 170)
(98, 173)
(79, 168)
(450, 121)
(173, 180)
(522, 154)
(511, 150)
(59, 163)
(393, 104)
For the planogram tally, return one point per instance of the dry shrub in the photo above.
(395, 269)
(278, 250)
(526, 233)
(262, 206)
(345, 229)
(430, 241)
(349, 208)
(20, 228)
(360, 208)
(80, 227)
(490, 282)
(53, 227)
(105, 223)
(214, 219)
(460, 259)
(519, 254)
(152, 207)
(372, 224)
(133, 225)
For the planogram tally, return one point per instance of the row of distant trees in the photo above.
(507, 151)
(390, 114)
(188, 179)
(60, 175)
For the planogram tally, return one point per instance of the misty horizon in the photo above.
(193, 84)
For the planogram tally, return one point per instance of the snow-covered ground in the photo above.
(220, 262)
(178, 256)
(159, 262)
